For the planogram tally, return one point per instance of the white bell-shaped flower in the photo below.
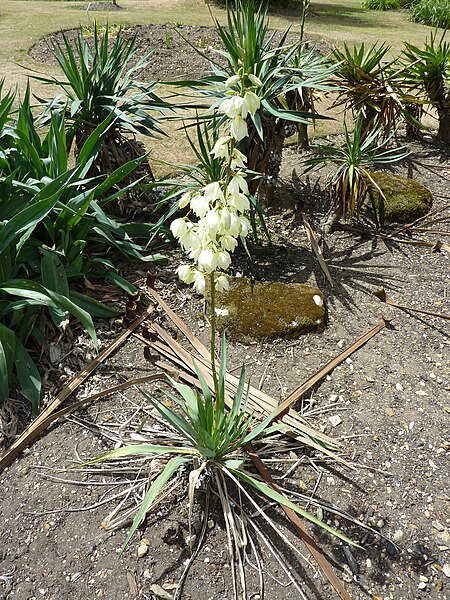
(221, 148)
(238, 128)
(186, 273)
(223, 260)
(207, 260)
(245, 226)
(251, 102)
(199, 282)
(213, 191)
(212, 222)
(232, 106)
(239, 201)
(224, 220)
(200, 205)
(237, 183)
(238, 160)
(228, 242)
(235, 225)
(221, 283)
(178, 227)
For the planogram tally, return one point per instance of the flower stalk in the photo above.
(218, 212)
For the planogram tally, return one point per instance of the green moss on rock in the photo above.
(405, 199)
(268, 310)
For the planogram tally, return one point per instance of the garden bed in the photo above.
(389, 403)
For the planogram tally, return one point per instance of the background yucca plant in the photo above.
(350, 181)
(249, 48)
(100, 81)
(368, 86)
(52, 226)
(428, 72)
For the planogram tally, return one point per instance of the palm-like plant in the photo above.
(368, 86)
(250, 50)
(205, 435)
(428, 72)
(99, 82)
(351, 180)
(316, 71)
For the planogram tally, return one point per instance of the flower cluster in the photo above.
(239, 104)
(220, 207)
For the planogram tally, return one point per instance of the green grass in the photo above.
(24, 22)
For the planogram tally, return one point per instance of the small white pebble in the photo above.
(318, 300)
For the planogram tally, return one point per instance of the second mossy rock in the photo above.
(261, 311)
(405, 199)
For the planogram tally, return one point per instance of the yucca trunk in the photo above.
(443, 109)
(116, 151)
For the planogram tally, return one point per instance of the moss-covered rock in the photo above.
(405, 199)
(259, 311)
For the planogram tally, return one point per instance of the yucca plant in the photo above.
(100, 81)
(52, 227)
(202, 443)
(351, 179)
(305, 61)
(428, 72)
(251, 54)
(368, 86)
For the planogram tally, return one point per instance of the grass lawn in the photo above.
(24, 22)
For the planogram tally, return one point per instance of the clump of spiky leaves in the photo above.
(381, 4)
(435, 13)
(100, 80)
(255, 61)
(349, 182)
(53, 233)
(206, 445)
(428, 72)
(368, 86)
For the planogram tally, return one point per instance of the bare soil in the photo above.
(389, 403)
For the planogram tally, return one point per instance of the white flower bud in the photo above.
(255, 80)
(231, 81)
(252, 102)
(185, 199)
